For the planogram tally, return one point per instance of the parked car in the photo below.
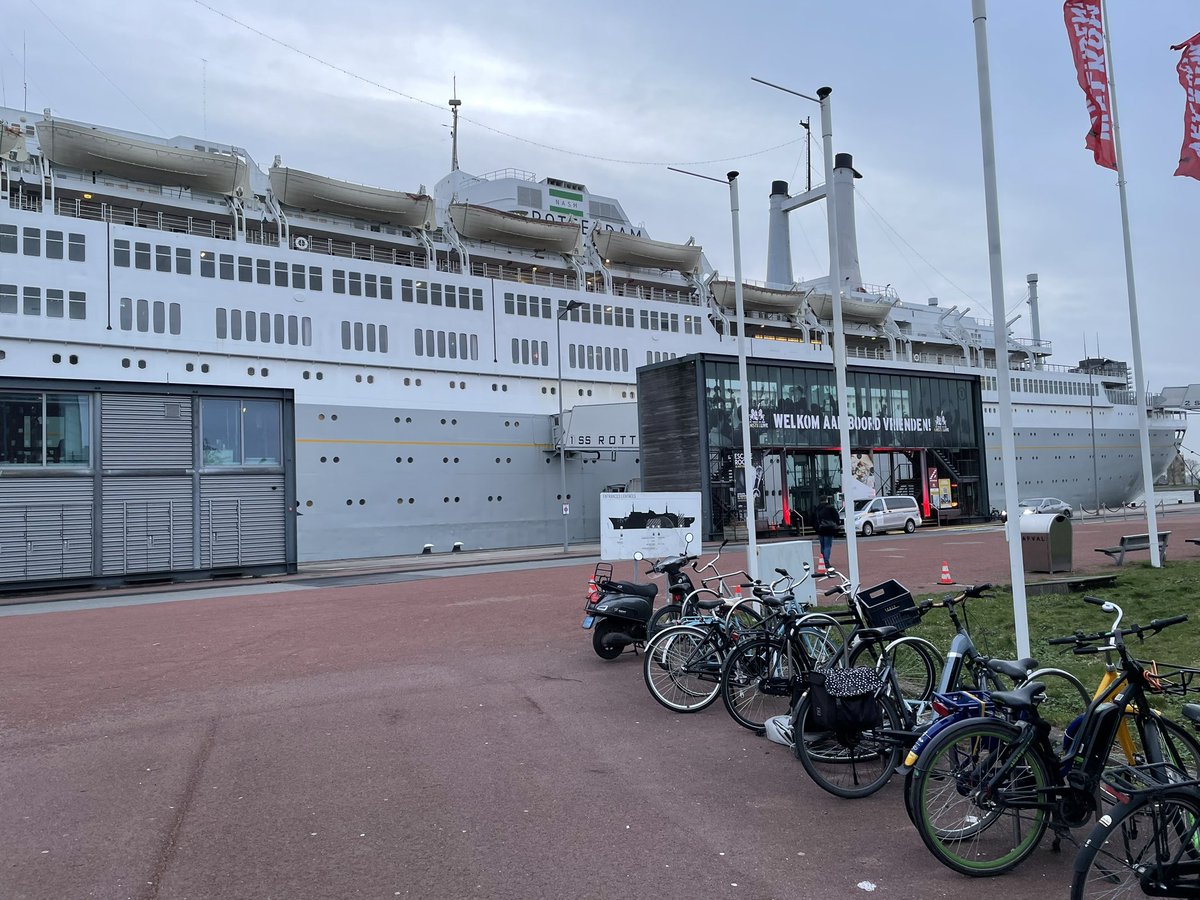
(887, 514)
(1049, 505)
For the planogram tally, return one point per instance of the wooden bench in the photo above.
(1131, 542)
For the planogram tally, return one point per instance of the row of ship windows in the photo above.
(600, 314)
(434, 294)
(249, 270)
(266, 328)
(31, 243)
(58, 304)
(1045, 386)
(445, 344)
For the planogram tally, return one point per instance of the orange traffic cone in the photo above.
(821, 565)
(946, 579)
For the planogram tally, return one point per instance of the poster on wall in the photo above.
(654, 524)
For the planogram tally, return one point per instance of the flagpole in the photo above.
(1008, 443)
(1139, 377)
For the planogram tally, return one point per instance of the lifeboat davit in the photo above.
(482, 223)
(634, 250)
(317, 193)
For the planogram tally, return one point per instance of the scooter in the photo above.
(618, 612)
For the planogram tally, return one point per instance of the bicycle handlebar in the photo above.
(1081, 639)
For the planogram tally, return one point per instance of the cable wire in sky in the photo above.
(441, 108)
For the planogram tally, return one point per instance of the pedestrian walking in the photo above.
(827, 523)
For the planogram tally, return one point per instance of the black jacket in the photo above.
(827, 519)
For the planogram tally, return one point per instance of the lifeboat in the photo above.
(758, 297)
(855, 307)
(95, 150)
(633, 250)
(482, 223)
(316, 193)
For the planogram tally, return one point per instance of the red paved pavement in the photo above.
(442, 738)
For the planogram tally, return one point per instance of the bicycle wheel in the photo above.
(1147, 847)
(682, 668)
(965, 831)
(850, 765)
(1066, 698)
(1137, 738)
(915, 662)
(757, 682)
(664, 616)
(743, 619)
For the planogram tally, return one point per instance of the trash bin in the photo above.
(1046, 542)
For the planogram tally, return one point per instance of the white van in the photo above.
(886, 514)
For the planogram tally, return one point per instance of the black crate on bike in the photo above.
(889, 603)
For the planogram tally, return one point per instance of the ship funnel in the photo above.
(779, 239)
(844, 174)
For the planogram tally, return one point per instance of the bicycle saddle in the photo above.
(1015, 669)
(649, 591)
(1021, 698)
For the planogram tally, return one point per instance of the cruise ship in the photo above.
(207, 366)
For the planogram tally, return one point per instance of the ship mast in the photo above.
(455, 103)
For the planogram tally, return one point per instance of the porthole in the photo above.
(263, 372)
(349, 502)
(456, 459)
(57, 357)
(191, 367)
(250, 371)
(453, 384)
(358, 378)
(320, 417)
(495, 387)
(407, 382)
(324, 459)
(455, 499)
(508, 460)
(141, 364)
(73, 359)
(333, 417)
(445, 459)
(411, 500)
(454, 421)
(408, 420)
(399, 459)
(462, 385)
(308, 503)
(370, 379)
(410, 459)
(417, 382)
(490, 499)
(443, 421)
(320, 375)
(396, 420)
(498, 498)
(504, 387)
(399, 499)
(362, 502)
(445, 499)
(307, 374)
(337, 459)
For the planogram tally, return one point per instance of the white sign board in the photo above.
(654, 524)
(789, 555)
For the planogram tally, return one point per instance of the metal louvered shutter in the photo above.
(242, 519)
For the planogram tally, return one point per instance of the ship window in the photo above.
(510, 304)
(591, 357)
(435, 295)
(645, 317)
(54, 303)
(429, 343)
(545, 353)
(306, 331)
(608, 359)
(545, 307)
(221, 318)
(226, 260)
(522, 305)
(120, 253)
(33, 301)
(383, 339)
(264, 327)
(314, 278)
(370, 288)
(183, 261)
(280, 331)
(385, 287)
(474, 340)
(358, 336)
(675, 322)
(298, 275)
(143, 315)
(54, 245)
(126, 316)
(422, 292)
(624, 360)
(419, 342)
(264, 271)
(345, 335)
(8, 299)
(453, 345)
(525, 352)
(441, 344)
(235, 324)
(174, 317)
(356, 284)
(477, 298)
(33, 242)
(293, 330)
(571, 356)
(251, 326)
(75, 247)
(8, 239)
(281, 274)
(516, 350)
(141, 255)
(160, 317)
(339, 281)
(370, 338)
(245, 269)
(406, 290)
(208, 264)
(162, 258)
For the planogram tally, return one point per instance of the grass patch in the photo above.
(1143, 593)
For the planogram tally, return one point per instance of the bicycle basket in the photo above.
(888, 603)
(1148, 777)
(1168, 678)
(603, 573)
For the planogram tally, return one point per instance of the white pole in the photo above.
(1008, 448)
(1139, 375)
(839, 336)
(751, 534)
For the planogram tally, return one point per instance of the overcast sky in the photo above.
(610, 94)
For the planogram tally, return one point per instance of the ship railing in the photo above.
(525, 275)
(98, 211)
(396, 256)
(520, 174)
(653, 292)
(28, 201)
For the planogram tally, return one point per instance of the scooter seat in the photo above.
(649, 591)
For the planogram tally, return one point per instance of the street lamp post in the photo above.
(562, 431)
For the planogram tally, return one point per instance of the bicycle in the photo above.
(988, 771)
(1149, 845)
(688, 605)
(683, 665)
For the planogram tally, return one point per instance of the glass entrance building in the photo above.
(911, 433)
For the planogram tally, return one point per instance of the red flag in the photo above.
(1189, 77)
(1086, 31)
